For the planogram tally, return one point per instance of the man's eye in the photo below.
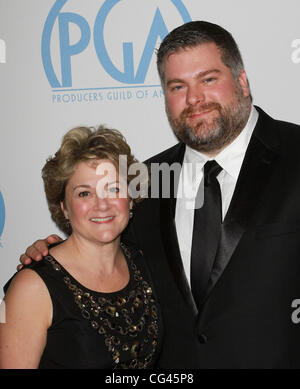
(209, 80)
(176, 88)
(84, 194)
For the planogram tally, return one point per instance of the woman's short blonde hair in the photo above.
(78, 145)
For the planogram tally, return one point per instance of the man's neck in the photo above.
(213, 153)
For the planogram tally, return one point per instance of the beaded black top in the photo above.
(101, 330)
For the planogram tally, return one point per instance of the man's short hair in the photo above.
(196, 33)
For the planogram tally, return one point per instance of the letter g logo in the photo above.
(126, 75)
(158, 29)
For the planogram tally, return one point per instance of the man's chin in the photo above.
(203, 132)
(199, 141)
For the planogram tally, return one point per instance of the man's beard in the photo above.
(220, 131)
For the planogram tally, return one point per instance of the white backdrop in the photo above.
(66, 63)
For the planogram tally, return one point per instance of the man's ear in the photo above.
(64, 210)
(243, 81)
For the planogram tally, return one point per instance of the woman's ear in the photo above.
(131, 204)
(64, 210)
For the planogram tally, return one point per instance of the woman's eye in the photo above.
(114, 189)
(84, 194)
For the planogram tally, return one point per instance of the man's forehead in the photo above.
(207, 46)
(196, 61)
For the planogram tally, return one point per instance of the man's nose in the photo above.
(195, 95)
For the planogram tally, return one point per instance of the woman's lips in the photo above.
(106, 219)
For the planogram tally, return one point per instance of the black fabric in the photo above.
(72, 341)
(206, 231)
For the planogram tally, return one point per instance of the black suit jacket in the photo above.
(245, 321)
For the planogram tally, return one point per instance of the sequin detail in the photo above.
(127, 321)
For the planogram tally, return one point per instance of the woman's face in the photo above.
(96, 202)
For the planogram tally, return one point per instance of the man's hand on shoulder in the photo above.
(37, 250)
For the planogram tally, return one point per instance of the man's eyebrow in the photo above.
(198, 75)
(174, 81)
(206, 72)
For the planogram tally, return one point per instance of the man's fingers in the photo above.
(19, 267)
(24, 261)
(37, 250)
(53, 239)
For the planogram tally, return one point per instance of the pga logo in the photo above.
(129, 72)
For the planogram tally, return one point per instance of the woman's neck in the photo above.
(102, 257)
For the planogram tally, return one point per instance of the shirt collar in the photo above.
(231, 158)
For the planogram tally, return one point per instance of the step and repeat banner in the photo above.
(70, 63)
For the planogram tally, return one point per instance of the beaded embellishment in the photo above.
(128, 322)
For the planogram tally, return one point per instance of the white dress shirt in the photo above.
(230, 159)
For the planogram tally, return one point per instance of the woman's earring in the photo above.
(130, 214)
(68, 224)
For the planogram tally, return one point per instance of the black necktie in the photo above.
(206, 232)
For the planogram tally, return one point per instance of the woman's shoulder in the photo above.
(26, 279)
(29, 277)
(28, 305)
(41, 266)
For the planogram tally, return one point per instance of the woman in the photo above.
(89, 303)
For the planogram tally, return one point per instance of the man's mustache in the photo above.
(189, 111)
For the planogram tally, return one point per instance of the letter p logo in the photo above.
(67, 50)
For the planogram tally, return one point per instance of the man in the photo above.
(239, 314)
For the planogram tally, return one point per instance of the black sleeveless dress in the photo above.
(92, 330)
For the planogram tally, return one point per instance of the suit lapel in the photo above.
(168, 227)
(256, 170)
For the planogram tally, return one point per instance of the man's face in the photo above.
(206, 107)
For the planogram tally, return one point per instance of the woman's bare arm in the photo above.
(28, 315)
